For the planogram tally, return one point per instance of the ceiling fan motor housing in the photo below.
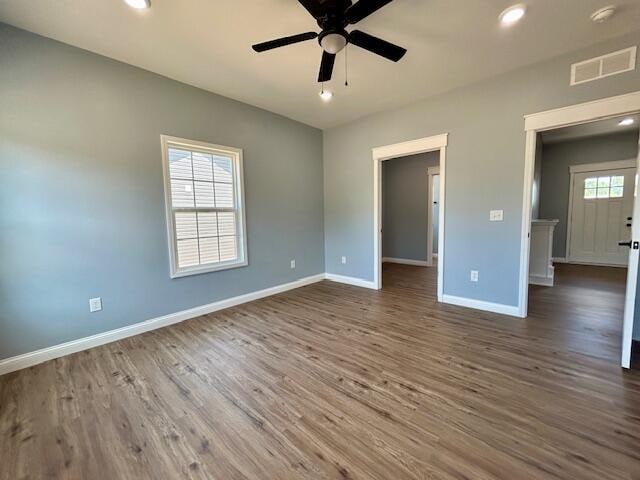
(333, 36)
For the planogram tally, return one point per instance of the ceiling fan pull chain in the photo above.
(346, 73)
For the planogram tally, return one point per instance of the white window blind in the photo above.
(205, 213)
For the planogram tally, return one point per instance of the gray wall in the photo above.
(485, 165)
(82, 194)
(405, 206)
(556, 159)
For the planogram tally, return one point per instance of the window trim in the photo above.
(238, 180)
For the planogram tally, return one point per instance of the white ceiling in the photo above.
(592, 129)
(207, 43)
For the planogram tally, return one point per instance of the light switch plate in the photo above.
(496, 215)
(95, 304)
(344, 260)
(293, 264)
(474, 275)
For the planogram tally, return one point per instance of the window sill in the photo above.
(186, 272)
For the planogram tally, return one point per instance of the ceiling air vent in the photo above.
(604, 66)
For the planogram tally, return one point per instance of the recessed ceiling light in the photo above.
(626, 122)
(139, 4)
(512, 14)
(326, 95)
(603, 14)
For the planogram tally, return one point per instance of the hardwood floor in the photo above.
(337, 382)
(584, 309)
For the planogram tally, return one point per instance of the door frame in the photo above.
(431, 172)
(628, 104)
(585, 168)
(403, 149)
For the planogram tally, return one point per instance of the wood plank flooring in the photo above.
(337, 382)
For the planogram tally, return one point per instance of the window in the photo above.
(205, 212)
(604, 187)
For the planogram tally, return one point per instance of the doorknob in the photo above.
(630, 244)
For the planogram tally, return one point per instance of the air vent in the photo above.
(604, 66)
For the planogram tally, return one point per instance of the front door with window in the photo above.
(600, 216)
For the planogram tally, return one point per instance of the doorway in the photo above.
(597, 240)
(433, 185)
(436, 143)
(407, 209)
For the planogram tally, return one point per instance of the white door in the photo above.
(632, 279)
(600, 217)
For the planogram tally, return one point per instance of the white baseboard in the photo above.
(540, 280)
(358, 282)
(405, 261)
(559, 260)
(482, 305)
(595, 264)
(25, 360)
(39, 356)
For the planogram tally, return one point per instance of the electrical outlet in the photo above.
(496, 215)
(344, 259)
(95, 304)
(293, 264)
(474, 275)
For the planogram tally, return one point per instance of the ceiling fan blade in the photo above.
(313, 7)
(326, 67)
(376, 45)
(281, 42)
(363, 8)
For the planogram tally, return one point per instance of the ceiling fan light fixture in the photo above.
(138, 4)
(333, 42)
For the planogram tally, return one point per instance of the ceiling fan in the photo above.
(333, 16)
